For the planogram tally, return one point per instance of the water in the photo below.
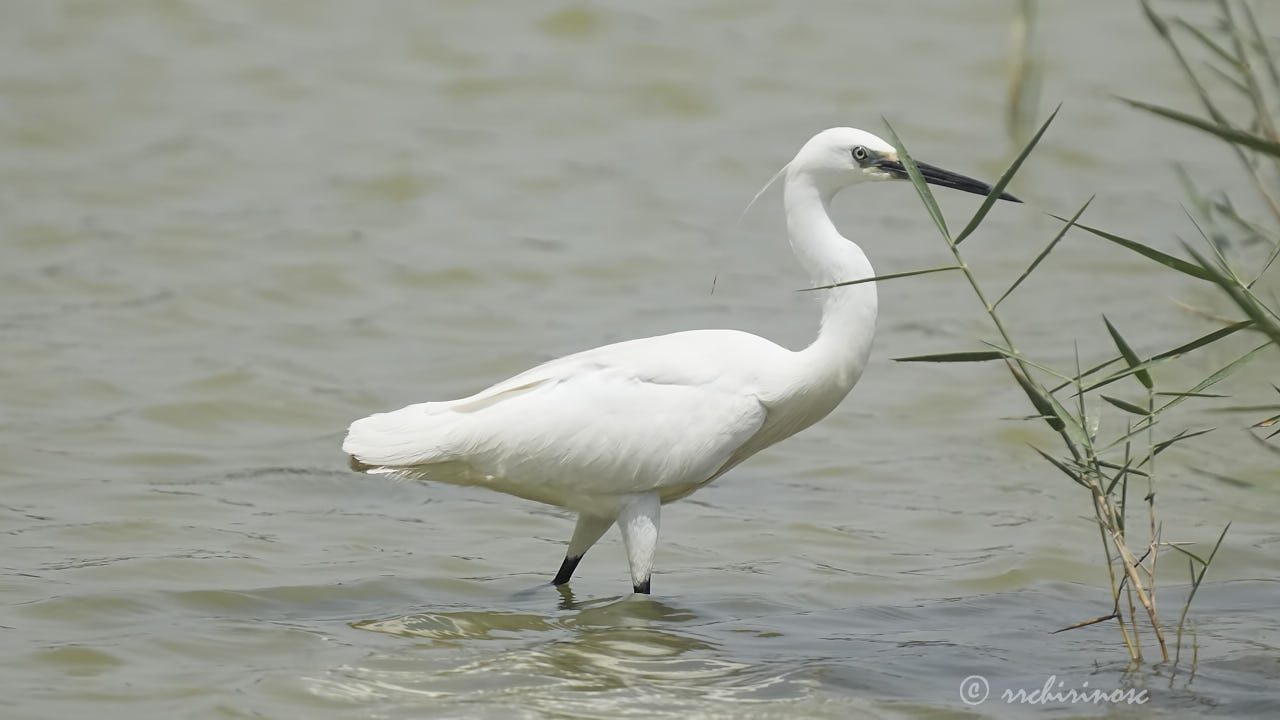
(230, 228)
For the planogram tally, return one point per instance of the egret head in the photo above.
(840, 157)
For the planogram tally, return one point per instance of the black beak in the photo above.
(935, 175)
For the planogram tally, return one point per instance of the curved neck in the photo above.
(849, 312)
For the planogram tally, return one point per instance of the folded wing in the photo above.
(600, 423)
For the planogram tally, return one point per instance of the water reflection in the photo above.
(461, 625)
(610, 613)
(635, 650)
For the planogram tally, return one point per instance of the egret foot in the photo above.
(638, 522)
(585, 534)
(566, 569)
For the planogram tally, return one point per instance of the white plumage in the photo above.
(614, 432)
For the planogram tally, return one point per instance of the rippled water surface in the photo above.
(231, 227)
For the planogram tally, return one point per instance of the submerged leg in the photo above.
(585, 534)
(638, 522)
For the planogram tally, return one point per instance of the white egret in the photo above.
(616, 432)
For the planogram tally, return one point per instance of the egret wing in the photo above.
(585, 425)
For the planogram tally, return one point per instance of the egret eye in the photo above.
(860, 153)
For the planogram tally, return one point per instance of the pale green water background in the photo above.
(231, 227)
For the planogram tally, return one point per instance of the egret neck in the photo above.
(848, 324)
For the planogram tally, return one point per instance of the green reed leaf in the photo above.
(1129, 355)
(917, 181)
(1230, 134)
(1003, 182)
(1045, 252)
(962, 356)
(1209, 42)
(889, 276)
(1125, 406)
(1075, 476)
(1184, 435)
(1165, 259)
(1221, 374)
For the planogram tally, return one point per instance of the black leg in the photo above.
(566, 570)
(642, 588)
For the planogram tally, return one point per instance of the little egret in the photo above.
(616, 432)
